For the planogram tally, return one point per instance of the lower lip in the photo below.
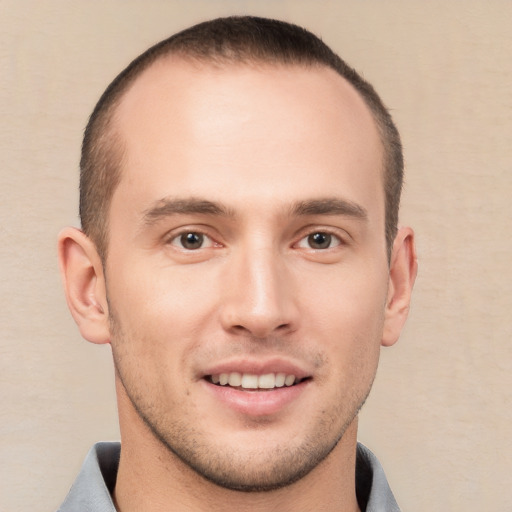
(257, 403)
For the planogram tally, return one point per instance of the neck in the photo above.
(152, 479)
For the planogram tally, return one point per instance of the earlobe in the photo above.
(84, 284)
(402, 274)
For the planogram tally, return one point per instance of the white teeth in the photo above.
(249, 381)
(280, 378)
(235, 379)
(290, 379)
(253, 381)
(267, 381)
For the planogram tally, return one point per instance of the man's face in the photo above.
(246, 244)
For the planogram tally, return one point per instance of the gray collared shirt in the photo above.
(92, 490)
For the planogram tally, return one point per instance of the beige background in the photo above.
(440, 413)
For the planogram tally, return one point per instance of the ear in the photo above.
(402, 274)
(84, 284)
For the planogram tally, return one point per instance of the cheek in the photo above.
(160, 299)
(349, 317)
(163, 315)
(349, 302)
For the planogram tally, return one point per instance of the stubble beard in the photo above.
(247, 472)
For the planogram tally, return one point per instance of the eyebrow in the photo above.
(169, 206)
(166, 207)
(329, 206)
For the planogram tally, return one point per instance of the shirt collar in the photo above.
(92, 490)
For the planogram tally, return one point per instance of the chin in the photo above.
(260, 470)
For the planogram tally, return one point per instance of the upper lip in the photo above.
(258, 367)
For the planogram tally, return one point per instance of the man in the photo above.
(240, 253)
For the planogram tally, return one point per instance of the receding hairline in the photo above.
(199, 64)
(103, 138)
(113, 140)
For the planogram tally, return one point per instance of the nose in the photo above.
(258, 298)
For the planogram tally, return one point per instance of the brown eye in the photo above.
(191, 241)
(319, 240)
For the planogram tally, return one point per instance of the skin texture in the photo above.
(254, 159)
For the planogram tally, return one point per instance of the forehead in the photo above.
(245, 127)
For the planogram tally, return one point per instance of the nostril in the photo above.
(260, 332)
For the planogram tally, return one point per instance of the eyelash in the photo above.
(177, 240)
(332, 240)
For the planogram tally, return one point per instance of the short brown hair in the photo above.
(238, 40)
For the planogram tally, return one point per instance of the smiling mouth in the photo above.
(249, 381)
